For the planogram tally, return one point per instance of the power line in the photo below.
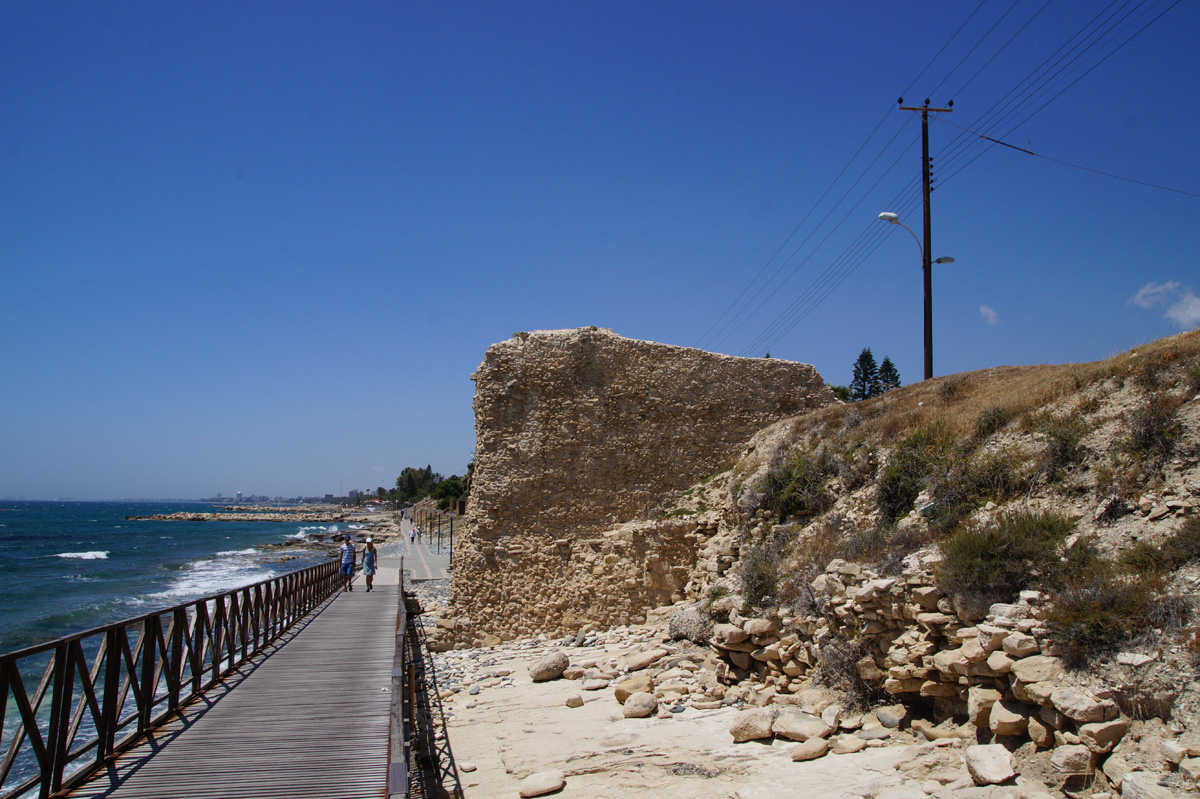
(1068, 163)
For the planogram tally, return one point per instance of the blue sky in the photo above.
(262, 248)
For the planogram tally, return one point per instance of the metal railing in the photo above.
(97, 693)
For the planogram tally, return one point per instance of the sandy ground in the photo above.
(510, 731)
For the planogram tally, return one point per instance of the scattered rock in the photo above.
(989, 764)
(810, 749)
(542, 783)
(751, 725)
(548, 667)
(640, 705)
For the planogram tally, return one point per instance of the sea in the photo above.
(66, 567)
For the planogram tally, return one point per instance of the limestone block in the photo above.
(1102, 736)
(894, 686)
(938, 689)
(989, 764)
(1082, 707)
(999, 662)
(1020, 645)
(1173, 751)
(641, 660)
(636, 684)
(1190, 768)
(1116, 768)
(979, 704)
(990, 637)
(761, 626)
(799, 726)
(1077, 759)
(750, 725)
(1040, 733)
(1041, 693)
(950, 661)
(1008, 718)
(1038, 668)
(724, 634)
(890, 716)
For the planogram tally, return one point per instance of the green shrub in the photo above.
(969, 483)
(916, 458)
(797, 486)
(760, 575)
(1153, 429)
(1064, 447)
(993, 563)
(1178, 549)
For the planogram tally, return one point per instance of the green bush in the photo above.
(1178, 549)
(994, 563)
(969, 483)
(927, 452)
(1153, 429)
(797, 486)
(760, 575)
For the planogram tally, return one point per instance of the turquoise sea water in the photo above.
(66, 567)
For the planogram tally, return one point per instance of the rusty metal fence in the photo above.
(68, 706)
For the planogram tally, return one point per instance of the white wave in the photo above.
(228, 552)
(95, 555)
(320, 527)
(213, 576)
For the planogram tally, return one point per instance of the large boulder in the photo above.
(799, 726)
(627, 688)
(548, 667)
(640, 705)
(690, 622)
(752, 725)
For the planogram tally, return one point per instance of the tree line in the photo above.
(869, 379)
(414, 484)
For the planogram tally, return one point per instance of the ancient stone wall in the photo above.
(579, 432)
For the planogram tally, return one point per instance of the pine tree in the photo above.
(889, 375)
(865, 383)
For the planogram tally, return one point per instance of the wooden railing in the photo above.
(67, 706)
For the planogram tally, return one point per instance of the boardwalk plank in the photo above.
(308, 719)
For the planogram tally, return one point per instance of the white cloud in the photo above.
(989, 315)
(1180, 304)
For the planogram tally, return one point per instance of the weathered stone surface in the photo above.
(891, 715)
(979, 704)
(640, 660)
(640, 705)
(810, 749)
(750, 725)
(691, 623)
(1008, 718)
(1102, 736)
(1038, 668)
(799, 726)
(636, 684)
(1072, 759)
(548, 667)
(579, 431)
(1144, 785)
(1082, 707)
(542, 783)
(847, 744)
(574, 700)
(989, 764)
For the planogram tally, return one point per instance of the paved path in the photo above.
(310, 719)
(422, 559)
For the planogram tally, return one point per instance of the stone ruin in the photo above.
(579, 436)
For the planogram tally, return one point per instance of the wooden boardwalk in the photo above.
(308, 719)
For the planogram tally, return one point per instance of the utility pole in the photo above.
(926, 266)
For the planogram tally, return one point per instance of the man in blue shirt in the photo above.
(349, 560)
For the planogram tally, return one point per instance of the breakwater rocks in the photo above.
(580, 431)
(322, 517)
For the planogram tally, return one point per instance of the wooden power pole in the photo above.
(926, 265)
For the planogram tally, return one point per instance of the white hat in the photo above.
(369, 540)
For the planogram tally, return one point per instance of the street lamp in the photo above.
(894, 219)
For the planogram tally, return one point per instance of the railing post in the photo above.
(175, 680)
(60, 714)
(150, 630)
(218, 639)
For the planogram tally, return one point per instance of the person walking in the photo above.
(349, 560)
(368, 563)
